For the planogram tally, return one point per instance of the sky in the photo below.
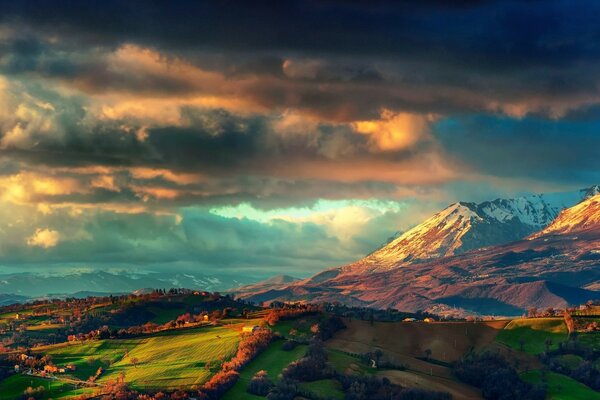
(279, 137)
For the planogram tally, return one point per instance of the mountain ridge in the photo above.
(465, 226)
(553, 269)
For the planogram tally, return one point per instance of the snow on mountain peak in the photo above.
(466, 226)
(582, 217)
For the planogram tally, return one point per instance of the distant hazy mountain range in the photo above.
(19, 287)
(496, 257)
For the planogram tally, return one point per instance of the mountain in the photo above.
(556, 267)
(6, 299)
(466, 226)
(581, 218)
(60, 285)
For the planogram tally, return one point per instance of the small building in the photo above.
(50, 369)
(250, 329)
(17, 368)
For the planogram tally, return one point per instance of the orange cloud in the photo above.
(152, 173)
(395, 131)
(43, 237)
(28, 186)
(105, 182)
(156, 192)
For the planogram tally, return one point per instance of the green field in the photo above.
(325, 388)
(533, 332)
(346, 364)
(167, 360)
(273, 360)
(301, 325)
(590, 340)
(570, 361)
(561, 387)
(165, 315)
(14, 386)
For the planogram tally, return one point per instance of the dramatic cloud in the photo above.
(259, 135)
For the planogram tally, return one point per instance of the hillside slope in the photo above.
(462, 227)
(549, 269)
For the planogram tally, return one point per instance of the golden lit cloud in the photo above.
(105, 182)
(395, 131)
(152, 173)
(44, 237)
(28, 186)
(156, 192)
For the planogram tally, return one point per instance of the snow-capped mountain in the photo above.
(467, 226)
(556, 267)
(580, 218)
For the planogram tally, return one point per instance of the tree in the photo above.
(532, 312)
(134, 361)
(548, 343)
(378, 354)
(427, 353)
(260, 384)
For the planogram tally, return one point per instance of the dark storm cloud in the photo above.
(486, 31)
(537, 149)
(415, 56)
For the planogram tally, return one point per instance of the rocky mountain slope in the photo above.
(466, 226)
(555, 267)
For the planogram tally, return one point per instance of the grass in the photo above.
(171, 359)
(273, 360)
(561, 387)
(347, 364)
(534, 332)
(46, 327)
(590, 340)
(165, 315)
(14, 386)
(324, 388)
(301, 325)
(570, 361)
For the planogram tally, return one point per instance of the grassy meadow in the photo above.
(173, 359)
(14, 386)
(533, 333)
(273, 360)
(561, 387)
